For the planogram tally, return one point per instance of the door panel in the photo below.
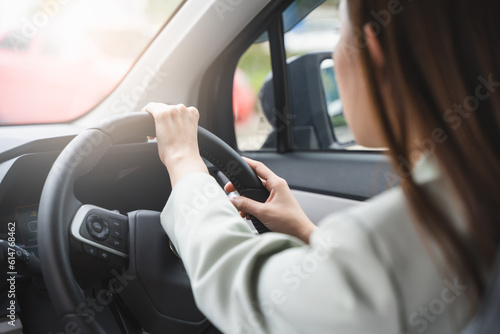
(346, 175)
(318, 206)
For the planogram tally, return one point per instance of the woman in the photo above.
(420, 77)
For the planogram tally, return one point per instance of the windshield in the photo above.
(60, 58)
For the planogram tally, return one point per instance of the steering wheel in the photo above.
(136, 264)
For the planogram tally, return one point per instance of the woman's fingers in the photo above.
(229, 188)
(247, 206)
(193, 112)
(262, 170)
(154, 108)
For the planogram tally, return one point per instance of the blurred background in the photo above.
(60, 58)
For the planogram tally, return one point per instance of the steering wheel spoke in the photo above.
(103, 234)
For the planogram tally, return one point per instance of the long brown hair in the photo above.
(442, 63)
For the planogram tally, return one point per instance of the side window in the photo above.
(314, 116)
(252, 119)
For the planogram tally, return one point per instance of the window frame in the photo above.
(217, 99)
(281, 89)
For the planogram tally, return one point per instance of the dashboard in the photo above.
(20, 190)
(23, 222)
(128, 178)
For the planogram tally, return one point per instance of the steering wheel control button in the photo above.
(116, 229)
(103, 255)
(97, 227)
(89, 250)
(116, 243)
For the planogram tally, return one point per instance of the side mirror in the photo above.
(341, 131)
(316, 108)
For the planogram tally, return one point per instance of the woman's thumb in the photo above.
(246, 205)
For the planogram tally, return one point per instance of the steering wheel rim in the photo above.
(58, 204)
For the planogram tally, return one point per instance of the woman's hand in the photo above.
(177, 136)
(281, 212)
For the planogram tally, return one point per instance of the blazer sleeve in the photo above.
(274, 283)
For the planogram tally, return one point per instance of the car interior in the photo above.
(81, 192)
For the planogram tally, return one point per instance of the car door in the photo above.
(296, 127)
